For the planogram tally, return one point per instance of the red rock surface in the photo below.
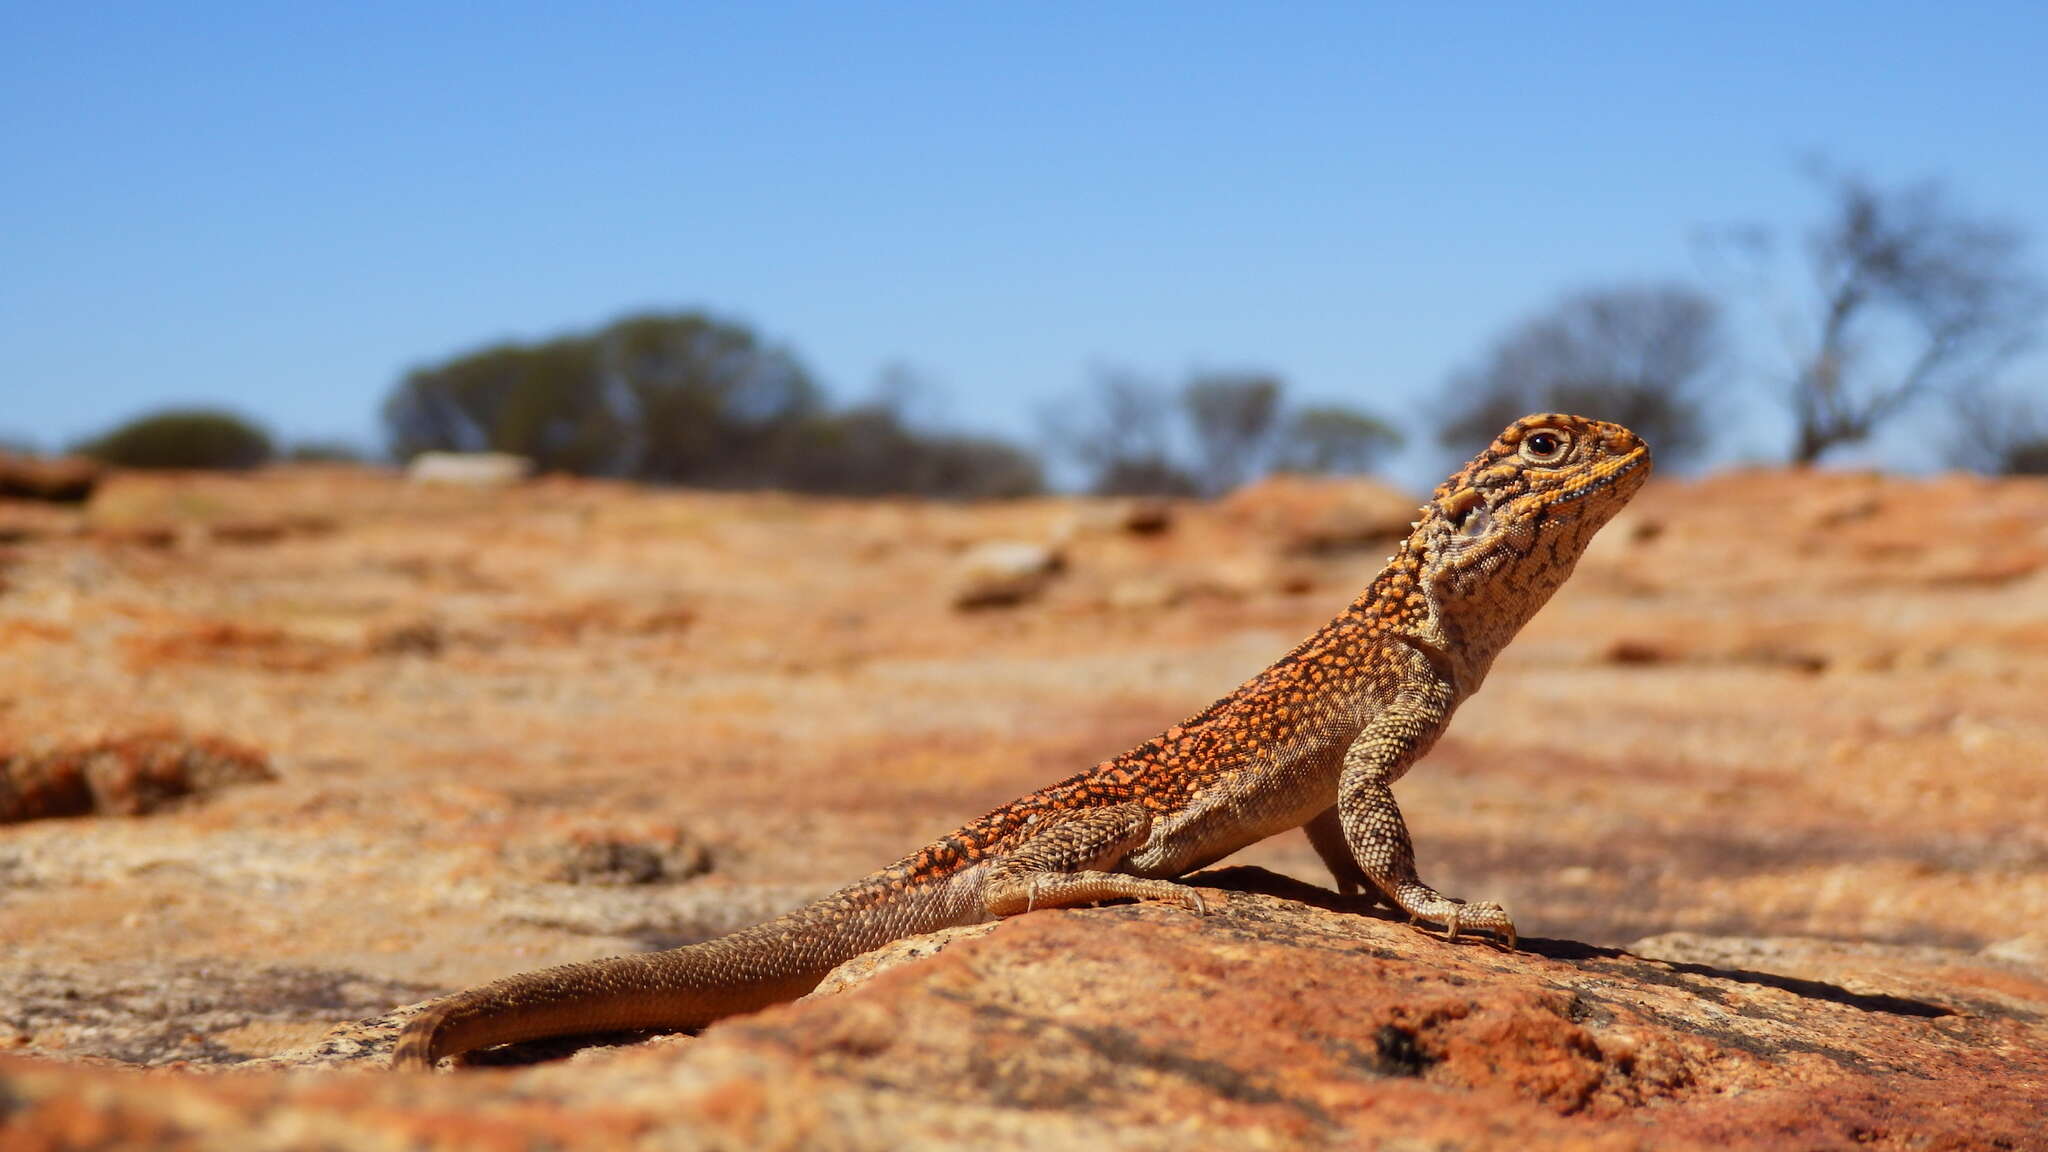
(56, 479)
(126, 776)
(1764, 786)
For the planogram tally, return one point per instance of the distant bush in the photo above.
(183, 438)
(869, 451)
(1147, 476)
(324, 452)
(683, 399)
(686, 398)
(1331, 438)
(976, 468)
(2000, 431)
(2027, 459)
(1133, 436)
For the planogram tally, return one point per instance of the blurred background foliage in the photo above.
(686, 398)
(1908, 306)
(183, 438)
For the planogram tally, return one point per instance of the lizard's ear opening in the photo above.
(1457, 507)
(1475, 523)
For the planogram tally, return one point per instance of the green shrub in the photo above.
(183, 438)
(324, 452)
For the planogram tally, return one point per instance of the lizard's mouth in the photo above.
(1471, 517)
(1604, 476)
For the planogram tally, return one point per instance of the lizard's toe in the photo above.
(1490, 917)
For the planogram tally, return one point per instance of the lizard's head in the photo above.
(1513, 522)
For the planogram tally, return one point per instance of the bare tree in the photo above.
(1332, 438)
(2000, 431)
(1232, 417)
(1915, 297)
(1638, 355)
(1130, 436)
(1120, 431)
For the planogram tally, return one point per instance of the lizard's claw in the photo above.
(1168, 892)
(1459, 918)
(1483, 916)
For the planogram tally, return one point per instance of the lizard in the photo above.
(1315, 741)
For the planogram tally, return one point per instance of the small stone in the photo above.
(124, 776)
(54, 479)
(1321, 515)
(1141, 593)
(1146, 517)
(613, 855)
(469, 469)
(1636, 650)
(1003, 573)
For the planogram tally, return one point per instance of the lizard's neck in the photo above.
(1459, 634)
(1473, 605)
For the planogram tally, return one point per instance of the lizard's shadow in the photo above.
(1260, 881)
(1573, 950)
(1249, 878)
(549, 1050)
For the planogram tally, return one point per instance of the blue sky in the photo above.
(278, 208)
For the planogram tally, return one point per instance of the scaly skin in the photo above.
(1316, 741)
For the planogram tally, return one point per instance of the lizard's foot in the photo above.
(1015, 893)
(1181, 894)
(1064, 862)
(1457, 917)
(1486, 916)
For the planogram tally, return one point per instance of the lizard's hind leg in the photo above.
(1062, 858)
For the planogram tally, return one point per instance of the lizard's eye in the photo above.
(1545, 446)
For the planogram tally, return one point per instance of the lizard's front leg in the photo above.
(1326, 836)
(1378, 836)
(1062, 861)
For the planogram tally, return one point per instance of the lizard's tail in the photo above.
(686, 987)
